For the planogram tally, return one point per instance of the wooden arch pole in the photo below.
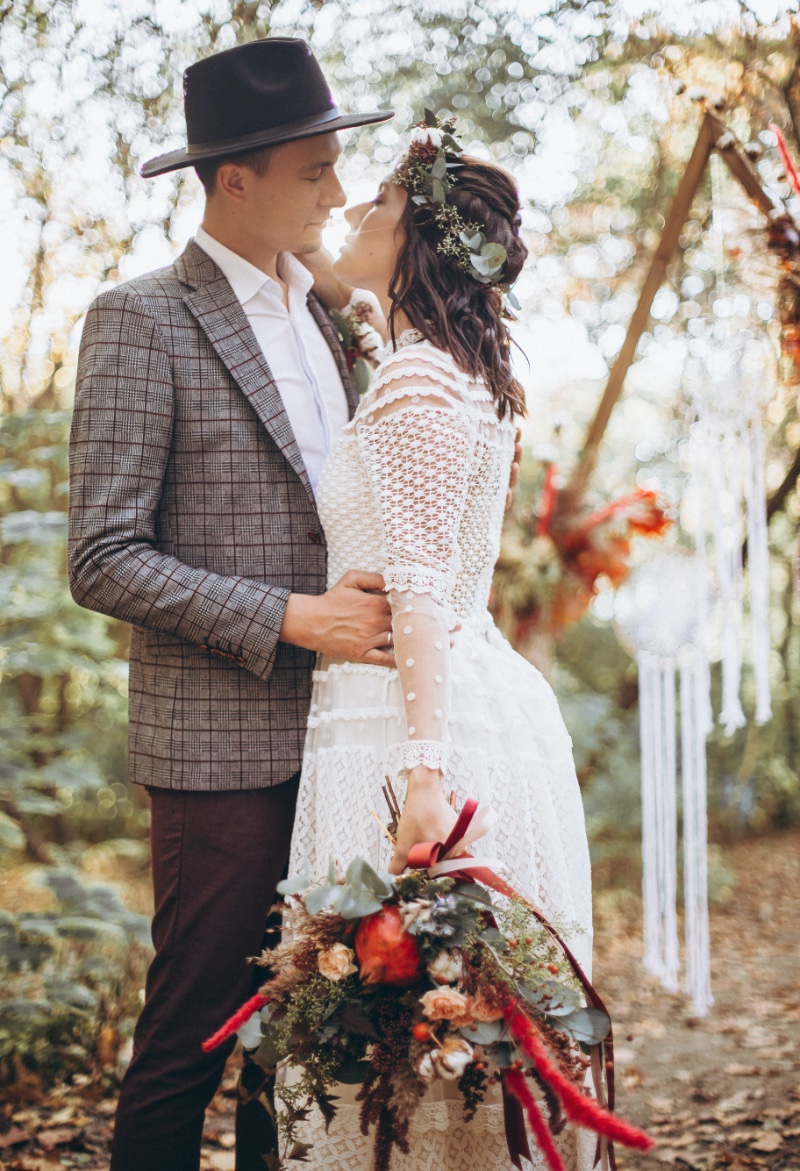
(713, 135)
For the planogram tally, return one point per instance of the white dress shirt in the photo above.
(295, 349)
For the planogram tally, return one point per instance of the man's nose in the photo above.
(335, 196)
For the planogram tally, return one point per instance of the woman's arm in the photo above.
(418, 445)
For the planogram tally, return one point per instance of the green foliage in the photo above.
(63, 675)
(69, 982)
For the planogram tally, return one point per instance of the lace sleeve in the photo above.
(417, 443)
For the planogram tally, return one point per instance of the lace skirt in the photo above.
(509, 748)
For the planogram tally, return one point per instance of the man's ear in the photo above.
(232, 181)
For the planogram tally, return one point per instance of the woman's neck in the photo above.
(401, 322)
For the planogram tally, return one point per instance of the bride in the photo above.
(414, 488)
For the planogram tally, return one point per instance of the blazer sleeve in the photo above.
(119, 450)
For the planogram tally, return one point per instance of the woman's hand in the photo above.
(426, 816)
(327, 286)
(514, 477)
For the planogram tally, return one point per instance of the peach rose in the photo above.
(336, 962)
(445, 1004)
(480, 1010)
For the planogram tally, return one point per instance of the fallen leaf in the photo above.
(227, 1140)
(221, 1160)
(13, 1137)
(735, 1069)
(57, 1137)
(769, 1142)
(34, 1163)
(62, 1116)
(662, 1105)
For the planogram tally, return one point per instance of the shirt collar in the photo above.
(246, 280)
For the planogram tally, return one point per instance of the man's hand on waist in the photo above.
(352, 620)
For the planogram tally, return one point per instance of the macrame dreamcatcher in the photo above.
(729, 381)
(664, 614)
(662, 617)
(676, 613)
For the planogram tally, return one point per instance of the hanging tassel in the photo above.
(694, 730)
(726, 492)
(758, 564)
(650, 899)
(699, 459)
(669, 825)
(659, 817)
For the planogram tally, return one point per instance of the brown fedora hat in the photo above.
(258, 94)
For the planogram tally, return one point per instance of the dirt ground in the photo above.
(722, 1092)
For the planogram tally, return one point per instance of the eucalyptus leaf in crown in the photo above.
(426, 172)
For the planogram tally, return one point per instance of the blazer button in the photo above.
(315, 537)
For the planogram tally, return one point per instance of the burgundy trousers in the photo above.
(217, 859)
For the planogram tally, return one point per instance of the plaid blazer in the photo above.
(192, 518)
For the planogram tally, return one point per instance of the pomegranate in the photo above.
(386, 953)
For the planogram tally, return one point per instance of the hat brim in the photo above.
(185, 158)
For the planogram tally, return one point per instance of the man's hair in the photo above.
(255, 160)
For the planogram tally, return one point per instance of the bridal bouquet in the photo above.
(393, 982)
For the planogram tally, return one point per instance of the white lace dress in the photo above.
(415, 488)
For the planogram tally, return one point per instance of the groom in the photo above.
(208, 394)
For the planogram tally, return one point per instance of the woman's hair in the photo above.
(448, 306)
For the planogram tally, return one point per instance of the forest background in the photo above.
(594, 105)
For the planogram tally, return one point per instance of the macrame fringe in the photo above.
(723, 460)
(729, 487)
(659, 816)
(660, 821)
(758, 564)
(694, 729)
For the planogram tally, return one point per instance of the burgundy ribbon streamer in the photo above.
(425, 855)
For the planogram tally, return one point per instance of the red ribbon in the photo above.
(426, 855)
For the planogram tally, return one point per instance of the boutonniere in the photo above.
(361, 340)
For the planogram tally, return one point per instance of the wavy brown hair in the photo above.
(447, 306)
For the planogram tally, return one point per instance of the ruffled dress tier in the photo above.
(414, 488)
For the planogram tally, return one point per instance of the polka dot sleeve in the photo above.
(418, 444)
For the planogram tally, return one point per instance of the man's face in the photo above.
(286, 209)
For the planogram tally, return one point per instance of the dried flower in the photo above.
(447, 968)
(445, 1004)
(417, 911)
(447, 1062)
(427, 134)
(336, 962)
(481, 1010)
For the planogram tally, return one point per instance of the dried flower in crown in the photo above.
(429, 177)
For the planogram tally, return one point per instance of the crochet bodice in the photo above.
(416, 483)
(415, 488)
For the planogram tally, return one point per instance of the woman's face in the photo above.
(370, 252)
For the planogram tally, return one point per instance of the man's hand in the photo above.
(514, 477)
(426, 815)
(352, 620)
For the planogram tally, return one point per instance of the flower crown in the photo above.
(427, 175)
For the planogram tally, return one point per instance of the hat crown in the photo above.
(259, 86)
(256, 95)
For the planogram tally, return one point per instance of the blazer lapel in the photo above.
(328, 330)
(214, 305)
